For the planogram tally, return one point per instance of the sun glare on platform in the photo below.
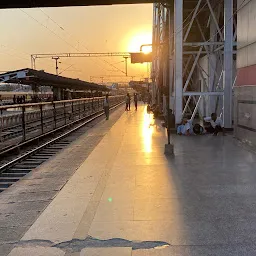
(147, 131)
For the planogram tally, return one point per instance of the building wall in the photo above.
(245, 89)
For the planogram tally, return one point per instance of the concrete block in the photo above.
(168, 150)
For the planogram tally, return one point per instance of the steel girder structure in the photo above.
(160, 48)
(34, 57)
(193, 46)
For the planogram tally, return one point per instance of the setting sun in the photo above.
(138, 40)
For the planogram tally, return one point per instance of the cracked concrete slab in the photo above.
(38, 251)
(217, 250)
(106, 252)
(77, 245)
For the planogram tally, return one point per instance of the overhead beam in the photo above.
(86, 54)
(203, 93)
(202, 43)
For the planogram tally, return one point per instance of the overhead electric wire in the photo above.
(55, 33)
(78, 41)
(51, 19)
(41, 24)
(13, 55)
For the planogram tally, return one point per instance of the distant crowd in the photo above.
(33, 99)
(19, 99)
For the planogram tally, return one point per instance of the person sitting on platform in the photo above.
(156, 110)
(214, 125)
(198, 129)
(185, 128)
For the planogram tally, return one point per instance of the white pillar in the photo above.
(212, 61)
(154, 50)
(178, 53)
(228, 63)
(171, 64)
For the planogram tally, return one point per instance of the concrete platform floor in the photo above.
(128, 198)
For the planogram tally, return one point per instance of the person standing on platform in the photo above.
(14, 99)
(127, 101)
(135, 101)
(106, 107)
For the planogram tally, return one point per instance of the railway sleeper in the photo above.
(4, 185)
(19, 170)
(8, 179)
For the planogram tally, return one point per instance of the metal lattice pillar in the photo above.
(178, 56)
(228, 63)
(212, 64)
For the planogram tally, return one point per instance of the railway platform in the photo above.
(128, 198)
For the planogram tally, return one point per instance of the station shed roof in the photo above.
(39, 77)
(56, 3)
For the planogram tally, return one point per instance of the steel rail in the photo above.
(33, 151)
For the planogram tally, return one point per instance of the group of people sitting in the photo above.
(212, 124)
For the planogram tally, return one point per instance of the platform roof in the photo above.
(38, 77)
(57, 3)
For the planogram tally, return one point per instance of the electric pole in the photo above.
(56, 64)
(126, 69)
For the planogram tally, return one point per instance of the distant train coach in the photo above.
(7, 97)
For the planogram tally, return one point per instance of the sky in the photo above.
(118, 28)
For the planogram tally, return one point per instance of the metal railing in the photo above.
(22, 122)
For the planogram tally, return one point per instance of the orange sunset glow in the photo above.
(102, 29)
(139, 39)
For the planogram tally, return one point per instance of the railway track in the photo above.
(15, 131)
(20, 166)
(47, 117)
